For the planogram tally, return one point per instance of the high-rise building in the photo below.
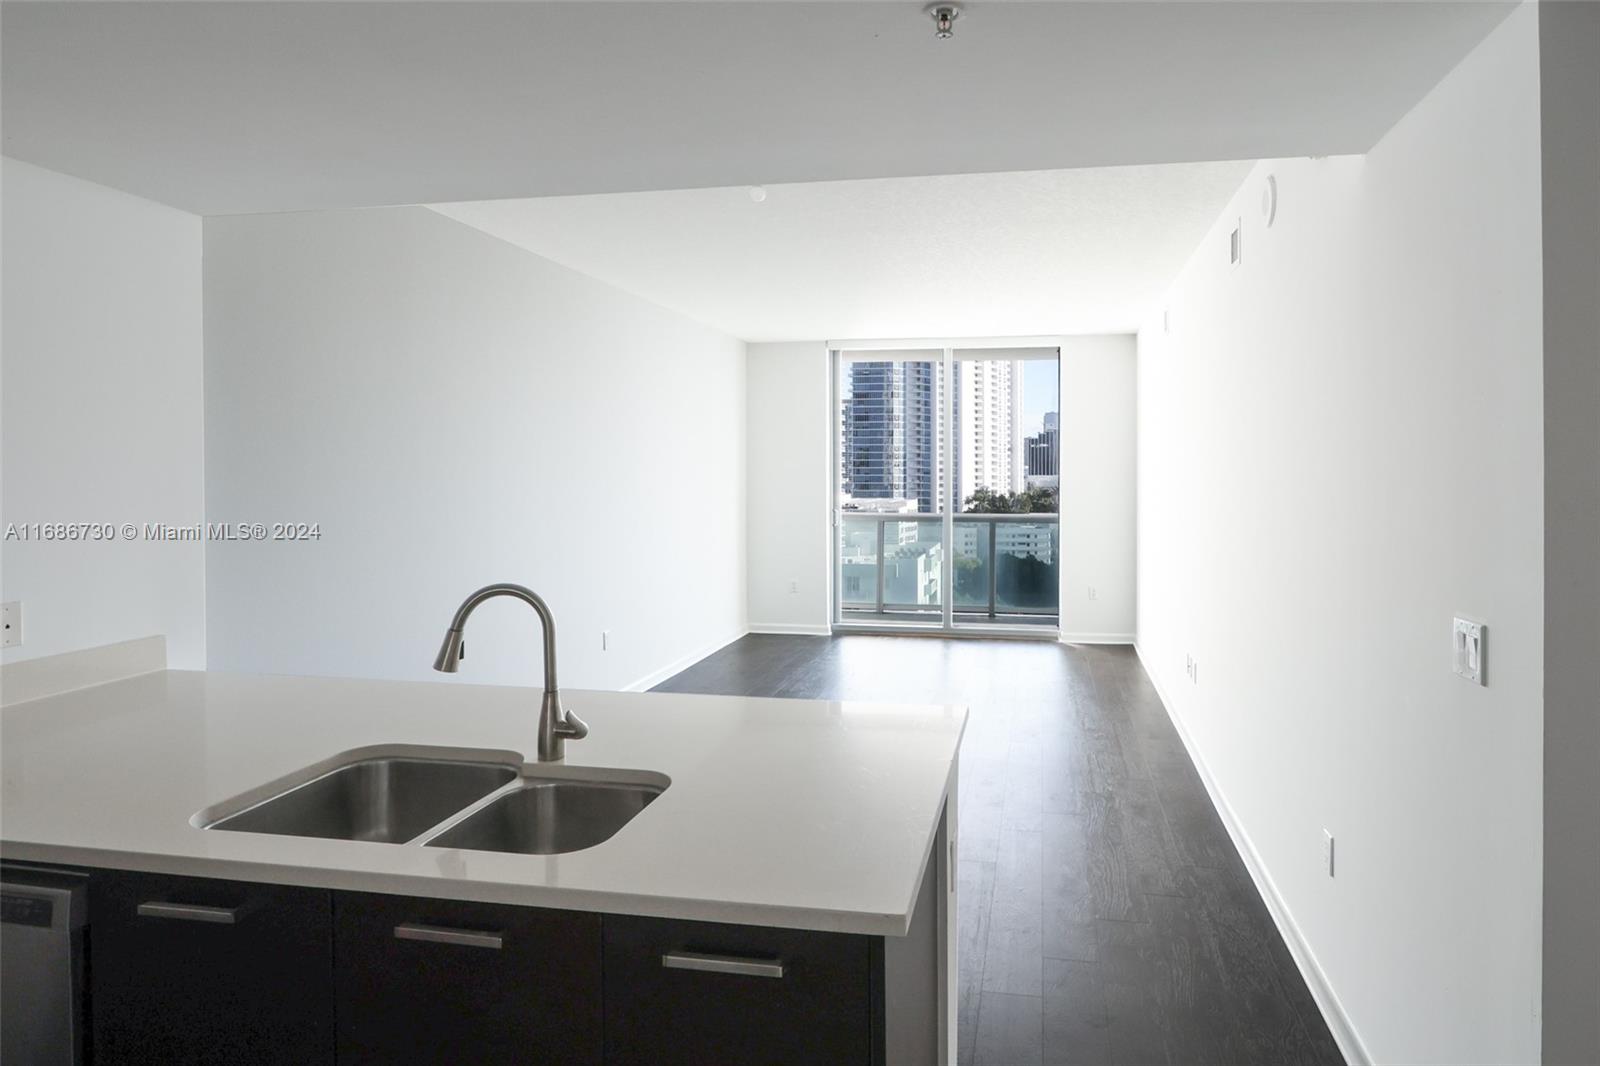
(1041, 451)
(889, 436)
(987, 418)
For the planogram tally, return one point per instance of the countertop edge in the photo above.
(445, 888)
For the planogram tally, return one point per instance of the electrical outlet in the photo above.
(1191, 667)
(1094, 593)
(1327, 852)
(11, 624)
(794, 586)
(605, 640)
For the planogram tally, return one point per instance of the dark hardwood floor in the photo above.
(1105, 916)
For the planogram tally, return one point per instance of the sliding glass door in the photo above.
(891, 486)
(946, 481)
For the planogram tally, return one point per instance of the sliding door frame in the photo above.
(946, 626)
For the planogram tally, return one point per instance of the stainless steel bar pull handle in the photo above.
(188, 912)
(690, 960)
(439, 934)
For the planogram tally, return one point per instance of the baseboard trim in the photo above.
(791, 629)
(654, 678)
(1333, 1012)
(1097, 638)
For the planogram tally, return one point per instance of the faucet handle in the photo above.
(572, 727)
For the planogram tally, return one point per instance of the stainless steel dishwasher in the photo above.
(42, 918)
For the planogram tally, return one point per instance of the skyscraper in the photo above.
(1041, 449)
(889, 446)
(988, 436)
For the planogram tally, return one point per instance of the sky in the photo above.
(1041, 388)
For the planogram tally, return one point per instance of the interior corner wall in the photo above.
(789, 484)
(1340, 449)
(1098, 470)
(1569, 70)
(102, 417)
(453, 411)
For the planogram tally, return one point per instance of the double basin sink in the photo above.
(444, 798)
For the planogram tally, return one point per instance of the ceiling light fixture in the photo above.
(944, 17)
(758, 193)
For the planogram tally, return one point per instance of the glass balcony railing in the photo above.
(1005, 568)
(892, 564)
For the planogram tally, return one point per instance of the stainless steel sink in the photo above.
(392, 799)
(551, 815)
(443, 797)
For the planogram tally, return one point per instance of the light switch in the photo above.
(1469, 639)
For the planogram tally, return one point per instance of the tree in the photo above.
(1033, 500)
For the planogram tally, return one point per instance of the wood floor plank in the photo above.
(1112, 891)
(974, 897)
(1151, 853)
(1068, 922)
(1013, 959)
(981, 792)
(1010, 1031)
(1075, 1028)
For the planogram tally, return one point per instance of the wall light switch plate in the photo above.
(1327, 852)
(1469, 636)
(11, 621)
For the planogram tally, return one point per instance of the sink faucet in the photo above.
(556, 724)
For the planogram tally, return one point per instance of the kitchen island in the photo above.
(786, 892)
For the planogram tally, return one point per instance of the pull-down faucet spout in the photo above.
(556, 724)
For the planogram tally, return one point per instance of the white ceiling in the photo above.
(241, 107)
(1039, 252)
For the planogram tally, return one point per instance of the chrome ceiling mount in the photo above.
(944, 17)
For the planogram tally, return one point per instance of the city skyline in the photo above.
(891, 441)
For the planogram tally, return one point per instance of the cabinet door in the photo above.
(696, 993)
(429, 981)
(185, 970)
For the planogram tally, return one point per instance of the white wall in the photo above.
(1098, 473)
(789, 519)
(102, 414)
(1339, 449)
(456, 411)
(790, 427)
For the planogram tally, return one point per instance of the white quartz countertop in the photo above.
(799, 813)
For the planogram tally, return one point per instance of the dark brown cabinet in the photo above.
(698, 992)
(435, 981)
(194, 971)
